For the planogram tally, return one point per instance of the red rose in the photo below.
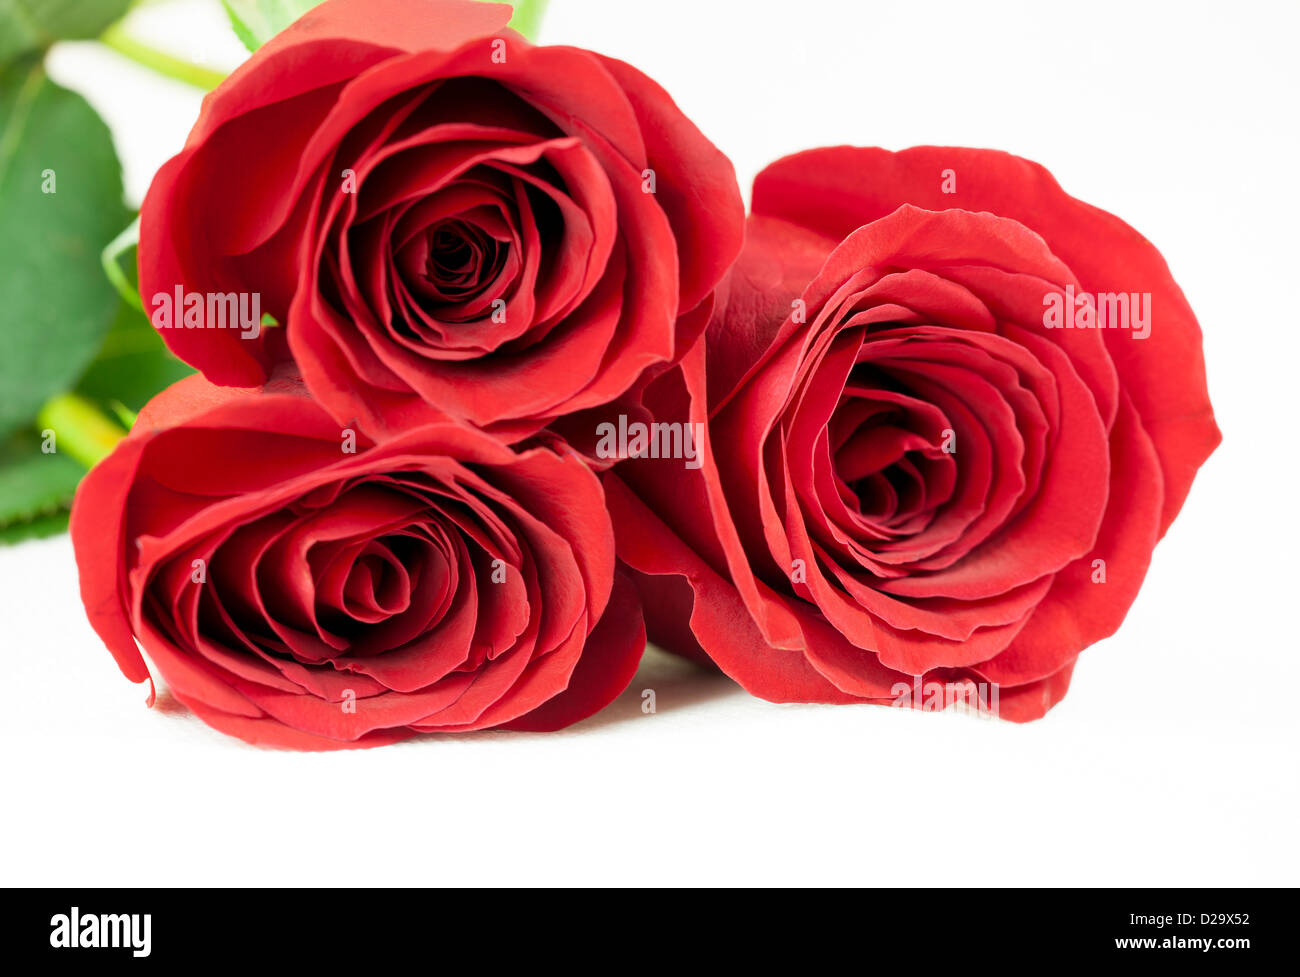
(439, 213)
(942, 448)
(295, 593)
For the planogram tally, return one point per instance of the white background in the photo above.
(1172, 760)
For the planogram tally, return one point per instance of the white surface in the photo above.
(1171, 761)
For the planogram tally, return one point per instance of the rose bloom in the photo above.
(445, 220)
(939, 449)
(295, 592)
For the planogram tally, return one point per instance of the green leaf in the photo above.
(37, 528)
(60, 204)
(33, 25)
(527, 18)
(132, 365)
(36, 488)
(257, 21)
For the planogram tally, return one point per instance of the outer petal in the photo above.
(99, 538)
(273, 733)
(1082, 607)
(1025, 703)
(609, 660)
(696, 184)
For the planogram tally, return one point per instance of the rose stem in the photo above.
(160, 61)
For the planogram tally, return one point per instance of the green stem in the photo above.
(81, 431)
(160, 61)
(528, 17)
(111, 257)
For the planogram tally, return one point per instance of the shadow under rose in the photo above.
(673, 684)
